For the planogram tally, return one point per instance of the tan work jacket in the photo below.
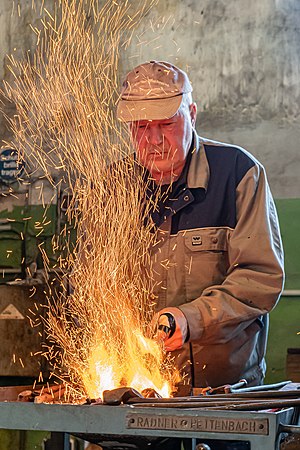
(219, 259)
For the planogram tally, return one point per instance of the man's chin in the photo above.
(163, 177)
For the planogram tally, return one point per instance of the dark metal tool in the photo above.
(120, 395)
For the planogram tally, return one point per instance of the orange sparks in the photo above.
(65, 99)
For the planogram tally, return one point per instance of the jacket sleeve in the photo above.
(255, 275)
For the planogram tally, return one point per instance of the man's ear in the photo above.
(193, 113)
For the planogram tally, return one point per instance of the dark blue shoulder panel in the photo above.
(217, 207)
(228, 161)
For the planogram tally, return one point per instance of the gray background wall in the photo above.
(242, 57)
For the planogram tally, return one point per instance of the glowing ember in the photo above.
(65, 100)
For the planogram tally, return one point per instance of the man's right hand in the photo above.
(172, 328)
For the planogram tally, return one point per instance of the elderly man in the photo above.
(219, 261)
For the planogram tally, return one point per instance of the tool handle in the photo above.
(294, 429)
(232, 387)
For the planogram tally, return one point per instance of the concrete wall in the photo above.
(17, 40)
(243, 58)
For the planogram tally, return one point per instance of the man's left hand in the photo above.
(172, 328)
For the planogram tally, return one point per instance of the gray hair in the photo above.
(186, 101)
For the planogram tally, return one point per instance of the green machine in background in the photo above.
(32, 215)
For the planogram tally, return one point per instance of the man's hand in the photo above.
(172, 328)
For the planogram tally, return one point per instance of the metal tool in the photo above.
(225, 389)
(238, 388)
(120, 395)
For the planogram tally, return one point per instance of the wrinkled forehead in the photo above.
(179, 114)
(157, 121)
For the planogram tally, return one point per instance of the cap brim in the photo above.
(158, 109)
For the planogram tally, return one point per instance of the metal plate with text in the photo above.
(201, 424)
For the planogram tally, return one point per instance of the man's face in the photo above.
(162, 145)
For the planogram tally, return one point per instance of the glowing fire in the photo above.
(105, 372)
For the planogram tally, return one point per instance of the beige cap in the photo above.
(152, 91)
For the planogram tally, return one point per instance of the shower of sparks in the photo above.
(65, 123)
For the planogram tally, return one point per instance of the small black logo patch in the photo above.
(196, 240)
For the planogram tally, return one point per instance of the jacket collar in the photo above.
(198, 174)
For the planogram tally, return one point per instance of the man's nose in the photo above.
(155, 135)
